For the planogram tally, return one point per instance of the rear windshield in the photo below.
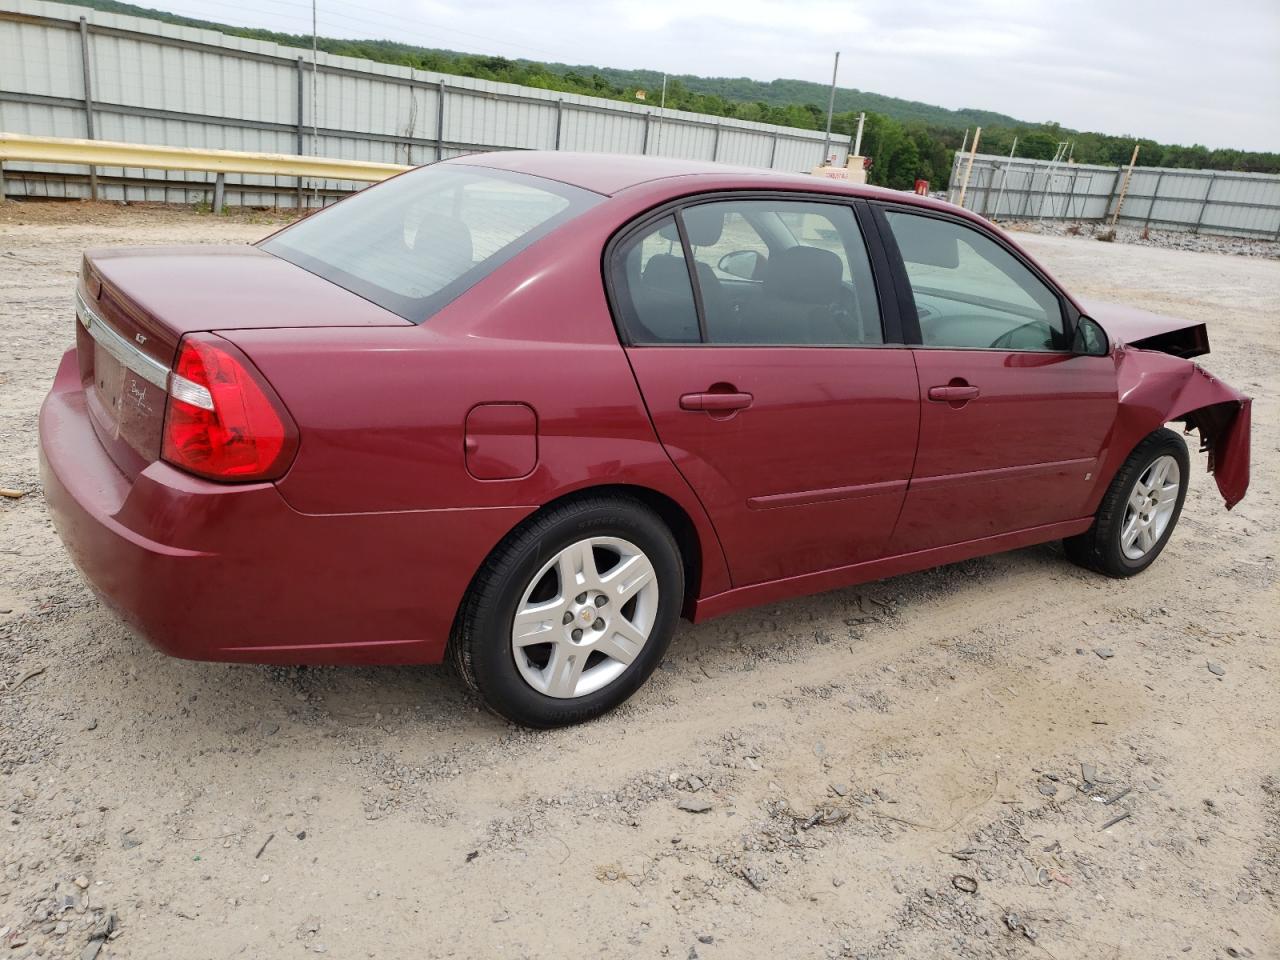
(418, 241)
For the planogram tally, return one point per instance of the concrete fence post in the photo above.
(88, 100)
(301, 116)
(440, 102)
(1204, 203)
(1115, 189)
(1155, 195)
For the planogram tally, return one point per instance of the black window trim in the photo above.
(686, 251)
(883, 275)
(902, 283)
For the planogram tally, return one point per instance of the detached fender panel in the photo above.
(1155, 389)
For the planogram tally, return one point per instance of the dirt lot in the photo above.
(921, 767)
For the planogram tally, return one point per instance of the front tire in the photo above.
(571, 613)
(1139, 511)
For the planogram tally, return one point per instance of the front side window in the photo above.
(972, 293)
(414, 243)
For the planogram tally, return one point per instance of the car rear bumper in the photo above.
(211, 571)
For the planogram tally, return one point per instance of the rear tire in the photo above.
(1139, 511)
(571, 613)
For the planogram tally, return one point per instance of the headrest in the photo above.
(670, 233)
(665, 269)
(704, 225)
(804, 274)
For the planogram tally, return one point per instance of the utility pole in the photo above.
(831, 106)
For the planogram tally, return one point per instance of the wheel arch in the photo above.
(705, 572)
(1156, 389)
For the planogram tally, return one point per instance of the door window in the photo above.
(782, 272)
(972, 293)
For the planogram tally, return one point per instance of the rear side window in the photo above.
(783, 273)
(752, 272)
(414, 243)
(655, 293)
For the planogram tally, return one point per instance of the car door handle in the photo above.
(715, 402)
(953, 393)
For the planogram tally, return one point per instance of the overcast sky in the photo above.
(1171, 70)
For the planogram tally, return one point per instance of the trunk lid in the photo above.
(134, 305)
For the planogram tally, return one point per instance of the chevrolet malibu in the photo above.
(524, 411)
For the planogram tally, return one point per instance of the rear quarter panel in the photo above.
(381, 411)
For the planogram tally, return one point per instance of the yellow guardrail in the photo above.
(106, 153)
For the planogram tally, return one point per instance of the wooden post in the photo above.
(1, 181)
(968, 168)
(219, 193)
(1124, 187)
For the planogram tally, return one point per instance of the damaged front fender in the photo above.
(1156, 388)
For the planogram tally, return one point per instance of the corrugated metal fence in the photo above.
(71, 72)
(1202, 201)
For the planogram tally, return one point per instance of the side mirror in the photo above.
(743, 264)
(1090, 339)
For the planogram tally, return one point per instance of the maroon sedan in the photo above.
(525, 410)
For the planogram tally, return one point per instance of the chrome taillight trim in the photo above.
(133, 359)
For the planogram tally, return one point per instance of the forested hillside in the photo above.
(905, 139)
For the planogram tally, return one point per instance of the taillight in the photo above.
(222, 420)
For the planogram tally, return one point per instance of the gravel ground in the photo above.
(1163, 239)
(922, 767)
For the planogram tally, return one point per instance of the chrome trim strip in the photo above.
(133, 359)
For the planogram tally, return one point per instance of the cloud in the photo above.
(1172, 71)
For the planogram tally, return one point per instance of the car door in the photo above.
(782, 401)
(1012, 422)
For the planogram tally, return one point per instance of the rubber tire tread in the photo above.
(1098, 548)
(481, 636)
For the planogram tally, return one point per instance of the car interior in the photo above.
(969, 293)
(796, 293)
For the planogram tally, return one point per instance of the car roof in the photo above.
(610, 174)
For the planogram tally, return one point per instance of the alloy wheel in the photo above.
(584, 617)
(1150, 507)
